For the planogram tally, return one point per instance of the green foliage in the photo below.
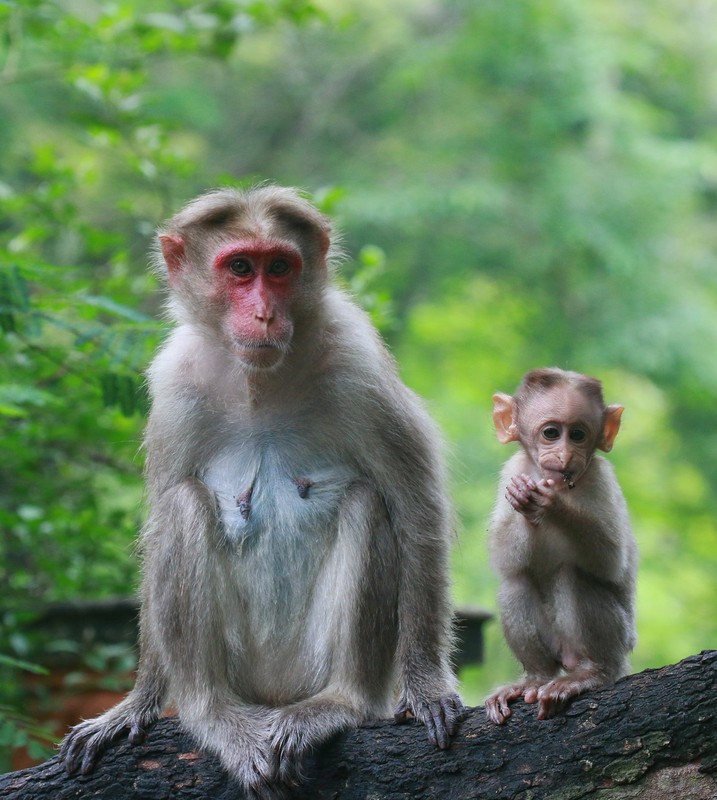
(88, 172)
(520, 184)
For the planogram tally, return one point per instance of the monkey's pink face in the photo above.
(256, 281)
(560, 429)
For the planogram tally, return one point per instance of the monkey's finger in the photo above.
(547, 708)
(137, 734)
(453, 712)
(504, 711)
(437, 725)
(531, 695)
(89, 760)
(521, 486)
(517, 499)
(71, 755)
(76, 755)
(430, 716)
(494, 711)
(525, 480)
(554, 697)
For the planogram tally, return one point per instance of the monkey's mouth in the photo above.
(261, 347)
(268, 344)
(260, 354)
(568, 478)
(556, 473)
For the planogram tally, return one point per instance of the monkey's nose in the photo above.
(264, 316)
(564, 456)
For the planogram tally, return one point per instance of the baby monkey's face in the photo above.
(560, 429)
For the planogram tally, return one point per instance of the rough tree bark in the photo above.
(651, 736)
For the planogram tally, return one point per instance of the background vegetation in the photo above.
(519, 184)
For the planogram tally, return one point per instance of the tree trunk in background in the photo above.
(650, 736)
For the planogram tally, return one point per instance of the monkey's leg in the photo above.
(354, 622)
(428, 684)
(595, 634)
(83, 745)
(529, 634)
(186, 579)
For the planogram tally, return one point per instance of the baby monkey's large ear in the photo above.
(506, 428)
(610, 427)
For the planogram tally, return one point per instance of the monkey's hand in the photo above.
(529, 497)
(84, 744)
(440, 715)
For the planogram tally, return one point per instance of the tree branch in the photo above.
(652, 735)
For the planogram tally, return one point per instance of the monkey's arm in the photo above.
(591, 519)
(160, 547)
(410, 473)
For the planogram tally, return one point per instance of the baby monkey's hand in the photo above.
(529, 497)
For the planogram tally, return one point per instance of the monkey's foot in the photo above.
(497, 705)
(83, 745)
(240, 741)
(552, 697)
(257, 775)
(301, 728)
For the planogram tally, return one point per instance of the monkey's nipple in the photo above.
(302, 486)
(244, 503)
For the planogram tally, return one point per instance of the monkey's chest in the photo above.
(548, 553)
(270, 498)
(280, 514)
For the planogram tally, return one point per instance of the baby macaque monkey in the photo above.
(561, 542)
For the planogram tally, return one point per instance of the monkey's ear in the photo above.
(324, 243)
(173, 251)
(611, 427)
(505, 428)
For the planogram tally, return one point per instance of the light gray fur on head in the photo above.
(250, 211)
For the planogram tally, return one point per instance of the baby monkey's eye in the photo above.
(551, 433)
(578, 435)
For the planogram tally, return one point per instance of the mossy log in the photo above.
(652, 735)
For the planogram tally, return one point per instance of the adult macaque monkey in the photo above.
(295, 554)
(561, 542)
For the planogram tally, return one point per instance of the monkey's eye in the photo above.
(578, 435)
(279, 268)
(240, 267)
(551, 433)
